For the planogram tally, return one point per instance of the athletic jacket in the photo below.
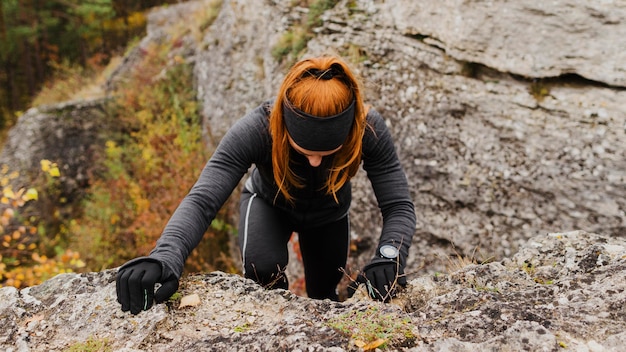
(248, 143)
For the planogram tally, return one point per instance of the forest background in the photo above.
(62, 50)
(42, 40)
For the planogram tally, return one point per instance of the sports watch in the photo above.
(389, 252)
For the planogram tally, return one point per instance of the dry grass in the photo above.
(72, 82)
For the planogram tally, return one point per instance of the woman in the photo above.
(305, 146)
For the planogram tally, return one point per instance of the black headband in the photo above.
(318, 133)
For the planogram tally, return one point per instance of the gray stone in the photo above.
(529, 38)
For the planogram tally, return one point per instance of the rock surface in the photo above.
(560, 292)
(509, 119)
(529, 38)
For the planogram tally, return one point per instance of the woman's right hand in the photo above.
(135, 283)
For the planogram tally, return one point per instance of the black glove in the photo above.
(135, 285)
(381, 277)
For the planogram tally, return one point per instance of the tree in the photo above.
(37, 35)
(16, 35)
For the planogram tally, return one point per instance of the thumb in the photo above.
(167, 289)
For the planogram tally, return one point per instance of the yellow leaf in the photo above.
(31, 194)
(45, 165)
(8, 193)
(78, 263)
(146, 154)
(54, 171)
(370, 345)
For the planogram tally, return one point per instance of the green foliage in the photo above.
(91, 345)
(294, 41)
(94, 11)
(316, 10)
(539, 89)
(370, 328)
(291, 43)
(175, 297)
(37, 36)
(243, 328)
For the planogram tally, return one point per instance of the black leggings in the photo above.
(264, 233)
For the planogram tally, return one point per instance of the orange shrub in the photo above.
(150, 169)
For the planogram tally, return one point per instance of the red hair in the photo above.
(318, 97)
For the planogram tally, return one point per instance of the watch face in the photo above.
(388, 251)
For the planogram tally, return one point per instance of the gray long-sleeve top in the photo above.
(249, 143)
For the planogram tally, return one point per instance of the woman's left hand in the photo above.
(381, 277)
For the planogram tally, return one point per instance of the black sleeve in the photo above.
(243, 145)
(389, 182)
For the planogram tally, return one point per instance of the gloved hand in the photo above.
(135, 285)
(381, 276)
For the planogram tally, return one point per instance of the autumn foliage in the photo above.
(140, 176)
(38, 37)
(149, 167)
(24, 255)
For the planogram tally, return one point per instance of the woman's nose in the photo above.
(314, 160)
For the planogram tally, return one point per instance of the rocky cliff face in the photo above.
(509, 119)
(66, 132)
